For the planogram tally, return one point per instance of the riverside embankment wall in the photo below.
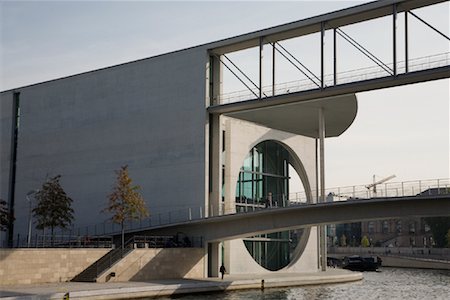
(412, 262)
(34, 266)
(30, 266)
(401, 257)
(158, 263)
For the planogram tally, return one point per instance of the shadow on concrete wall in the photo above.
(172, 263)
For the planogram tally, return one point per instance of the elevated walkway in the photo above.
(392, 190)
(241, 225)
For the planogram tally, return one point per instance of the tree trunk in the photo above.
(123, 235)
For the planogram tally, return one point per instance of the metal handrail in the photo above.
(360, 74)
(62, 241)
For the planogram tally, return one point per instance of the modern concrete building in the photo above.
(152, 115)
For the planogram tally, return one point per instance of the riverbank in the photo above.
(157, 288)
(398, 261)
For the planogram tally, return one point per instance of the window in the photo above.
(385, 227)
(371, 227)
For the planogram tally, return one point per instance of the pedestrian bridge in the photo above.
(227, 227)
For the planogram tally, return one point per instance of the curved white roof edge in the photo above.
(302, 118)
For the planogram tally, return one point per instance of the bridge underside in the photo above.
(303, 117)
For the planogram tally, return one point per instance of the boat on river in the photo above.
(361, 263)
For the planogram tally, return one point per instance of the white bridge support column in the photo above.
(215, 194)
(214, 203)
(322, 228)
(214, 255)
(213, 207)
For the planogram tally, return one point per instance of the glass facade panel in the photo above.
(263, 183)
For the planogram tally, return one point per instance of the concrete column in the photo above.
(213, 259)
(215, 181)
(216, 80)
(226, 256)
(394, 38)
(317, 187)
(261, 50)
(229, 184)
(322, 229)
(273, 68)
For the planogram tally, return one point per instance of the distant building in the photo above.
(403, 232)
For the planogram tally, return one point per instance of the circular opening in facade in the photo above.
(265, 181)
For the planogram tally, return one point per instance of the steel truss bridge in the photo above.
(383, 74)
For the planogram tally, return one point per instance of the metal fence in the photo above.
(430, 187)
(62, 241)
(156, 219)
(86, 241)
(177, 241)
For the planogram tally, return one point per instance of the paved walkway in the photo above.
(126, 290)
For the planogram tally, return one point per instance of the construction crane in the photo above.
(375, 183)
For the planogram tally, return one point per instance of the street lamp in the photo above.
(29, 215)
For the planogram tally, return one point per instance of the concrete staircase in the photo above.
(91, 273)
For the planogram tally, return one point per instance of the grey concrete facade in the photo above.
(152, 116)
(148, 114)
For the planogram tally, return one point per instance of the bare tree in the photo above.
(125, 202)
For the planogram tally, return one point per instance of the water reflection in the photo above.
(390, 283)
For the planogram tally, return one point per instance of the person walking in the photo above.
(222, 270)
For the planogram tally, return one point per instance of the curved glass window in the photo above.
(264, 183)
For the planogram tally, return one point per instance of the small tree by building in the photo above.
(125, 202)
(53, 206)
(343, 240)
(365, 241)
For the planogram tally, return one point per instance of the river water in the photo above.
(388, 283)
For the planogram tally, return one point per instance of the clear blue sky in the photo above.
(402, 131)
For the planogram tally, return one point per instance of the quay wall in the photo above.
(158, 263)
(31, 266)
(437, 260)
(417, 263)
(424, 252)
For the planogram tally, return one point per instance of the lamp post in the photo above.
(29, 215)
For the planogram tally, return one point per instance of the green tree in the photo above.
(125, 202)
(439, 227)
(53, 206)
(365, 241)
(4, 215)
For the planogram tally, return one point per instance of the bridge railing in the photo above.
(61, 241)
(391, 189)
(361, 74)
